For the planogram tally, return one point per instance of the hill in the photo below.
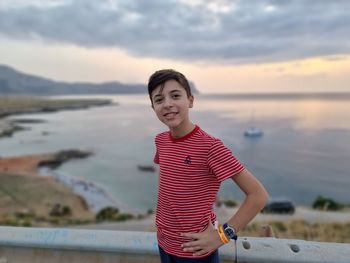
(13, 82)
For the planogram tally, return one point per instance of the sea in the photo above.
(304, 151)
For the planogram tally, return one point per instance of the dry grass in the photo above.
(300, 229)
(33, 191)
(37, 195)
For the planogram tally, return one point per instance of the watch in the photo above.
(230, 232)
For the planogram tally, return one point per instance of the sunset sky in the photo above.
(220, 45)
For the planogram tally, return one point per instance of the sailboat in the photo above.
(253, 131)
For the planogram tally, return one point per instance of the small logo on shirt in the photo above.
(188, 160)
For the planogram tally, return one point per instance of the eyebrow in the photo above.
(175, 90)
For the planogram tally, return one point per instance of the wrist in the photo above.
(222, 235)
(229, 231)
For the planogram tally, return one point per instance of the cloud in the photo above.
(218, 30)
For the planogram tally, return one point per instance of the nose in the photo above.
(168, 102)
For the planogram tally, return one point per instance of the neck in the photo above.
(178, 132)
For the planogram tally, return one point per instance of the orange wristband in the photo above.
(222, 235)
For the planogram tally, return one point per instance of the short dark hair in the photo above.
(161, 76)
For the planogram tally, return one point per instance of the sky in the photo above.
(222, 46)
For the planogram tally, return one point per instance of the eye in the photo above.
(158, 100)
(176, 96)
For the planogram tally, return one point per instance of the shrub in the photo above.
(11, 222)
(324, 203)
(228, 203)
(59, 210)
(140, 216)
(25, 214)
(150, 212)
(54, 221)
(123, 217)
(27, 223)
(107, 213)
(78, 221)
(66, 211)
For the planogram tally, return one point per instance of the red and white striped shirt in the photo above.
(191, 170)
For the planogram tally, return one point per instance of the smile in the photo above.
(170, 114)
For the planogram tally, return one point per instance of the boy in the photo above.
(192, 166)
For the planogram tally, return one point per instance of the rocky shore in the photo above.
(7, 128)
(27, 197)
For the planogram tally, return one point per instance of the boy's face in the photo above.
(171, 104)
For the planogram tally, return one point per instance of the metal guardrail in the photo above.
(19, 244)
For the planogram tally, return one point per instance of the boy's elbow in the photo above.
(265, 197)
(262, 198)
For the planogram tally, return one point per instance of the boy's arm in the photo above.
(256, 197)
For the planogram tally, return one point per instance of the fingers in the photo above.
(192, 249)
(197, 249)
(191, 244)
(190, 235)
(203, 242)
(201, 252)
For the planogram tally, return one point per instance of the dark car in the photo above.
(279, 206)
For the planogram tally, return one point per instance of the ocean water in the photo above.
(303, 153)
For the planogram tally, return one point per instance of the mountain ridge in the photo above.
(14, 82)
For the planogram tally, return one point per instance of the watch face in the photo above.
(230, 232)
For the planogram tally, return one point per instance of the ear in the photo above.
(191, 98)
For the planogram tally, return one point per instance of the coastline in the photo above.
(19, 179)
(95, 196)
(17, 105)
(84, 199)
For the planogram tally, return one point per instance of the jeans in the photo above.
(167, 258)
